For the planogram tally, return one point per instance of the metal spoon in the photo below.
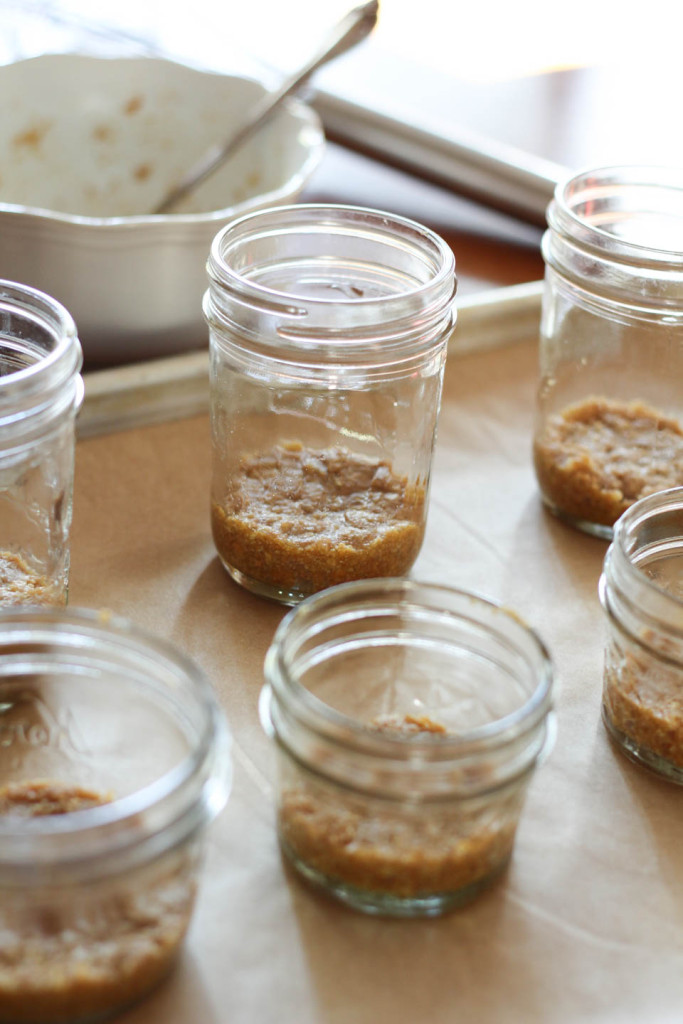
(354, 27)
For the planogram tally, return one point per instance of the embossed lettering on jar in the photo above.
(329, 327)
(609, 427)
(114, 757)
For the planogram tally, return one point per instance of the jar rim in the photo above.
(619, 562)
(591, 187)
(345, 731)
(335, 316)
(324, 216)
(64, 359)
(95, 833)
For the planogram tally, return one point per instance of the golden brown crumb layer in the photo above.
(300, 519)
(389, 850)
(598, 457)
(46, 796)
(67, 955)
(643, 700)
(408, 725)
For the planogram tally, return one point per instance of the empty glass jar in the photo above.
(329, 327)
(641, 589)
(609, 426)
(408, 720)
(40, 393)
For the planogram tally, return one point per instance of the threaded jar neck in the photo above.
(354, 651)
(617, 233)
(326, 285)
(40, 360)
(640, 585)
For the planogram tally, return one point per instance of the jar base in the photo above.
(641, 755)
(598, 530)
(260, 589)
(381, 904)
(59, 1011)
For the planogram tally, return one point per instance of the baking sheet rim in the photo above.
(177, 387)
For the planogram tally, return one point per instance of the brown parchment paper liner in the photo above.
(588, 923)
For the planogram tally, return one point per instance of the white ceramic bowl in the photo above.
(88, 146)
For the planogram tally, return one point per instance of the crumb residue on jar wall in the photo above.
(304, 519)
(597, 457)
(384, 848)
(75, 952)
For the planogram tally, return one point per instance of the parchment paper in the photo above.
(587, 925)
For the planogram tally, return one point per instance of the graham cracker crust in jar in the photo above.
(47, 796)
(67, 956)
(643, 700)
(304, 519)
(408, 725)
(389, 850)
(19, 584)
(596, 458)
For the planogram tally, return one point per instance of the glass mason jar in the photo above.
(641, 590)
(408, 720)
(114, 757)
(40, 393)
(329, 327)
(609, 425)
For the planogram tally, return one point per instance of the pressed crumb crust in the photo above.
(302, 519)
(67, 956)
(643, 700)
(391, 851)
(596, 458)
(47, 796)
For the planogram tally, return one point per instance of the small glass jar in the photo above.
(609, 426)
(114, 757)
(408, 720)
(329, 327)
(40, 393)
(641, 590)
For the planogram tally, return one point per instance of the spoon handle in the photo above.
(354, 27)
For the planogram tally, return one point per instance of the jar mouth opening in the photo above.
(198, 781)
(344, 275)
(429, 747)
(628, 550)
(57, 348)
(633, 213)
